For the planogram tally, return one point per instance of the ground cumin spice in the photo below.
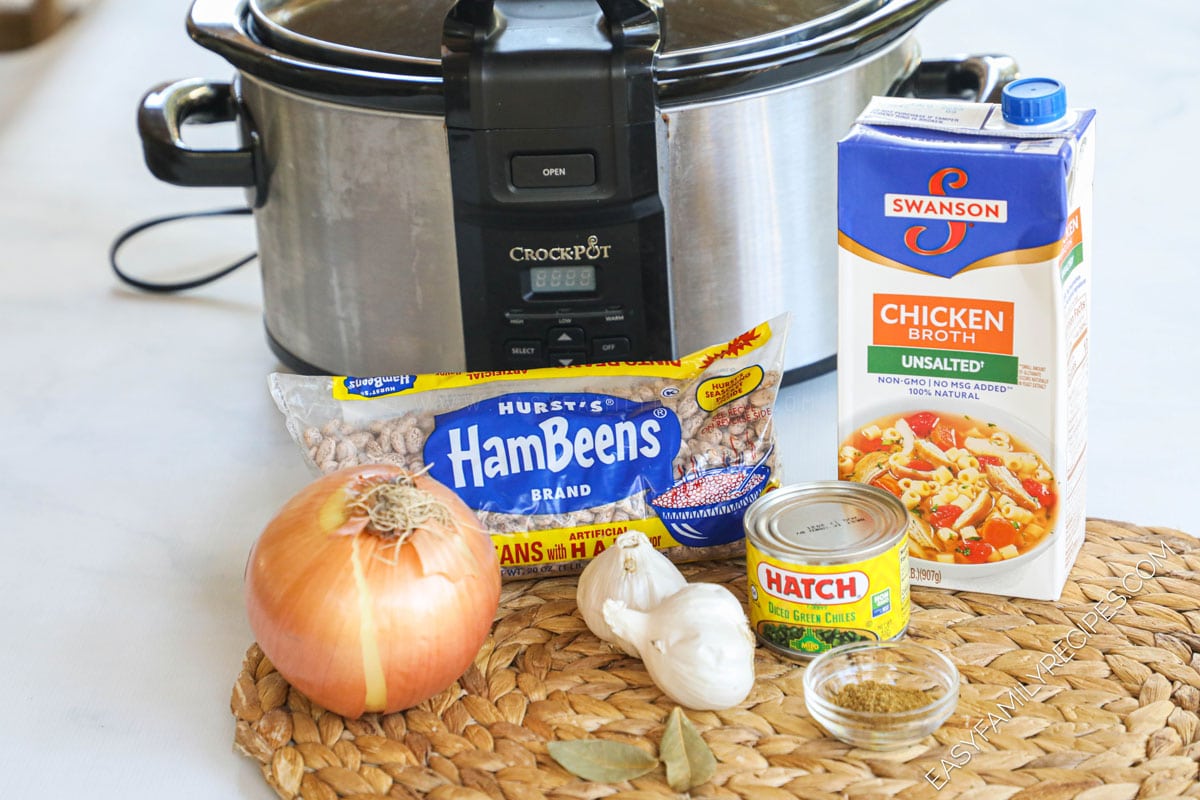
(879, 698)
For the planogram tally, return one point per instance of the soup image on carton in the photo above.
(964, 285)
(976, 493)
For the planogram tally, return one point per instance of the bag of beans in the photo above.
(558, 462)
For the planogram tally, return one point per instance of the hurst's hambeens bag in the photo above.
(559, 462)
(964, 281)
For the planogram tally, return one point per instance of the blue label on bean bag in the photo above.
(542, 453)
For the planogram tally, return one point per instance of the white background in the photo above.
(141, 454)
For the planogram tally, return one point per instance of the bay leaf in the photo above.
(602, 760)
(688, 758)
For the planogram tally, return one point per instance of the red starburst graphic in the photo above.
(739, 344)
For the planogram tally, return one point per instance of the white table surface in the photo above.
(142, 454)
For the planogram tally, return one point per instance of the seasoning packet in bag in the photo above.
(558, 462)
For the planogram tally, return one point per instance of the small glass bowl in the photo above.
(899, 663)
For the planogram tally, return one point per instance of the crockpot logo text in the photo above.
(592, 251)
(831, 589)
(959, 213)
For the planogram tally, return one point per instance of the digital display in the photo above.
(549, 280)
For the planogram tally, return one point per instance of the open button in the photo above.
(553, 171)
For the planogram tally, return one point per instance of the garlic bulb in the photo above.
(696, 644)
(631, 571)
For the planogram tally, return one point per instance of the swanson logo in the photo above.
(958, 212)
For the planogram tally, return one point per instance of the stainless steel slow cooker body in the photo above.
(345, 161)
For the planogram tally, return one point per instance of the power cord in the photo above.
(179, 286)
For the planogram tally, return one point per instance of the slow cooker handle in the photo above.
(163, 111)
(978, 78)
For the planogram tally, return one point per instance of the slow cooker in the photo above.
(504, 184)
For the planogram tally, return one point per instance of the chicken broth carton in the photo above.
(964, 280)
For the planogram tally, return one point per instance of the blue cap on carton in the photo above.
(1033, 101)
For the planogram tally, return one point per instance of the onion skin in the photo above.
(402, 629)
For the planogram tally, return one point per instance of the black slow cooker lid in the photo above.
(387, 52)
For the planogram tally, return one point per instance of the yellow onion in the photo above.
(372, 589)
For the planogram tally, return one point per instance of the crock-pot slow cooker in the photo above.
(488, 185)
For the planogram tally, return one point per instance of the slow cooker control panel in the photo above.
(559, 227)
(568, 342)
(564, 296)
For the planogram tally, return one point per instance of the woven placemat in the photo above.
(1113, 716)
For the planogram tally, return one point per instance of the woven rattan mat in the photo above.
(1116, 720)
